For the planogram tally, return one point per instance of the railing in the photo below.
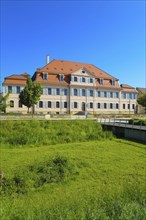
(117, 122)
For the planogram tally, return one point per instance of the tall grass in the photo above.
(14, 133)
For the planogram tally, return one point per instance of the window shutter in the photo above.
(54, 91)
(78, 105)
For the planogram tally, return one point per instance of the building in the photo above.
(140, 91)
(73, 88)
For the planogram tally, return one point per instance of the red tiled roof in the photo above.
(16, 79)
(126, 86)
(67, 67)
(141, 90)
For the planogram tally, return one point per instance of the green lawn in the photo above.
(84, 180)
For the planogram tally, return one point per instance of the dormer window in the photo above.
(75, 79)
(113, 82)
(101, 81)
(61, 77)
(45, 76)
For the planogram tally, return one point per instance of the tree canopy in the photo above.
(142, 100)
(3, 103)
(31, 93)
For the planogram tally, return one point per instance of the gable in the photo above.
(83, 72)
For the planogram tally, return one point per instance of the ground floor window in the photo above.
(57, 104)
(91, 104)
(40, 104)
(65, 104)
(105, 105)
(75, 105)
(117, 105)
(123, 106)
(11, 103)
(111, 105)
(49, 104)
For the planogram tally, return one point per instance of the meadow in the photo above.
(70, 170)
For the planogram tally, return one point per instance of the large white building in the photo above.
(73, 87)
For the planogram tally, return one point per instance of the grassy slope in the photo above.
(106, 169)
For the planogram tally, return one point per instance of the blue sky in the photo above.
(109, 34)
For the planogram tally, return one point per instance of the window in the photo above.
(105, 105)
(124, 95)
(83, 79)
(117, 95)
(20, 104)
(117, 105)
(83, 92)
(133, 106)
(65, 91)
(91, 80)
(75, 104)
(111, 94)
(113, 82)
(57, 91)
(105, 94)
(75, 79)
(91, 104)
(91, 92)
(98, 94)
(101, 81)
(49, 104)
(130, 95)
(45, 76)
(61, 77)
(123, 106)
(57, 104)
(111, 105)
(128, 106)
(65, 104)
(10, 89)
(11, 103)
(98, 105)
(134, 96)
(75, 92)
(40, 104)
(49, 91)
(18, 89)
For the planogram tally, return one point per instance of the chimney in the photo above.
(47, 59)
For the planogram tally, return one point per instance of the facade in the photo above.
(140, 91)
(73, 88)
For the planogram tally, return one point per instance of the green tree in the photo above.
(3, 102)
(142, 100)
(30, 95)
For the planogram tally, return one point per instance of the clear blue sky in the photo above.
(108, 34)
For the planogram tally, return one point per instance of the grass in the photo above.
(102, 179)
(35, 133)
(95, 179)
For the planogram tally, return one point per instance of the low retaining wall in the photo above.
(138, 134)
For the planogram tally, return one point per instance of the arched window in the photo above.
(11, 103)
(40, 104)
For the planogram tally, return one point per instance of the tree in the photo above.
(142, 100)
(3, 103)
(31, 93)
